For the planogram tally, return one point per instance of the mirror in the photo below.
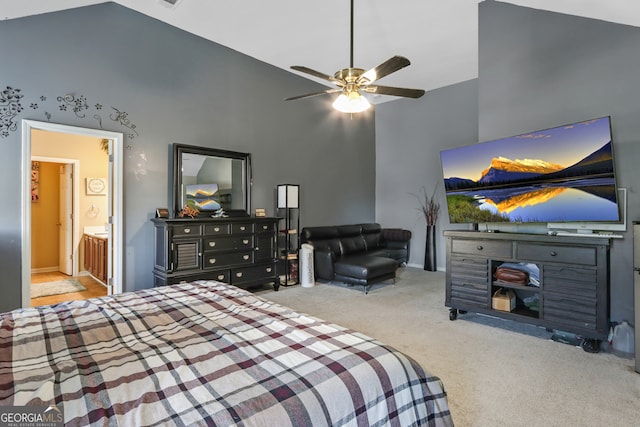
(210, 180)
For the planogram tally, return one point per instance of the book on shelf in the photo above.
(290, 255)
(289, 231)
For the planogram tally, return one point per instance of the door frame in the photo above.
(75, 209)
(116, 221)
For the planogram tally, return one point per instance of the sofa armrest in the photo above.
(396, 238)
(324, 264)
(395, 244)
(395, 235)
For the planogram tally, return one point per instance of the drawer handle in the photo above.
(212, 260)
(212, 244)
(220, 276)
(479, 247)
(187, 230)
(245, 257)
(243, 228)
(239, 274)
(216, 229)
(553, 253)
(268, 269)
(245, 242)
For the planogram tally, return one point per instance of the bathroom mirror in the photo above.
(210, 179)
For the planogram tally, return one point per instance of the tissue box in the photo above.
(503, 300)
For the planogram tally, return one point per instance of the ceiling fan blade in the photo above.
(309, 95)
(315, 73)
(391, 65)
(394, 91)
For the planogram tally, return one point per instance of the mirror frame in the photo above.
(180, 149)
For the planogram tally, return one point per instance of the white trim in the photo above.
(117, 189)
(45, 270)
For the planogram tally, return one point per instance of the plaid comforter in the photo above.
(207, 353)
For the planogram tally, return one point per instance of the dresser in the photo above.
(240, 251)
(572, 293)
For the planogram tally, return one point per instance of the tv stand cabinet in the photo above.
(573, 291)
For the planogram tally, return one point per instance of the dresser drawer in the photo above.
(242, 228)
(187, 230)
(227, 243)
(482, 247)
(557, 253)
(217, 260)
(249, 274)
(216, 229)
(265, 228)
(221, 276)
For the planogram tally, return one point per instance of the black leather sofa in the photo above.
(358, 254)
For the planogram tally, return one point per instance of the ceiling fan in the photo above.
(351, 81)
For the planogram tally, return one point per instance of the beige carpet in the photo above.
(494, 376)
(55, 288)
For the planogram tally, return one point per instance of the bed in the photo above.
(207, 353)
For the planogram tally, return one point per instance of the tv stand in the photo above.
(573, 291)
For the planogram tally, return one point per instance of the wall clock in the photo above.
(96, 186)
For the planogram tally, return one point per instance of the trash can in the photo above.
(306, 272)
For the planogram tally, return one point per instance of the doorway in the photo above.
(58, 261)
(112, 201)
(54, 212)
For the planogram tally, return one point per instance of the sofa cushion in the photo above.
(352, 245)
(323, 239)
(364, 266)
(371, 234)
(328, 245)
(349, 230)
(319, 233)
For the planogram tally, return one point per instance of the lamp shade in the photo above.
(353, 102)
(288, 196)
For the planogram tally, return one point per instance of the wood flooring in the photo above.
(94, 288)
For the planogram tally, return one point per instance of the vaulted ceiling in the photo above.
(440, 37)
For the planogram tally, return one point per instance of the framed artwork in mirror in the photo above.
(211, 181)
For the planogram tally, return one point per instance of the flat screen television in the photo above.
(563, 174)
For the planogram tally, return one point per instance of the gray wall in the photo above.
(537, 70)
(409, 137)
(541, 69)
(174, 87)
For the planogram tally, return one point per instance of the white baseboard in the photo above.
(45, 270)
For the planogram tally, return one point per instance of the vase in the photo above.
(430, 249)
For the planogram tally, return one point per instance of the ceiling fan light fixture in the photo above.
(351, 102)
(350, 81)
